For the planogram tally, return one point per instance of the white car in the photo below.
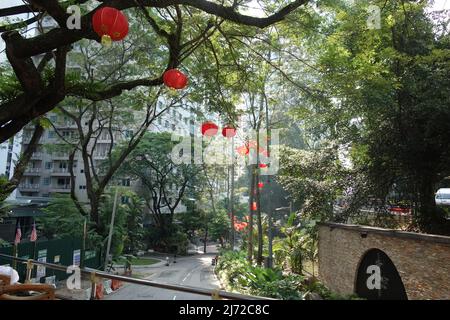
(443, 197)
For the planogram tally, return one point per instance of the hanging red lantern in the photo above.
(263, 165)
(260, 185)
(254, 206)
(243, 150)
(228, 131)
(175, 79)
(110, 24)
(209, 129)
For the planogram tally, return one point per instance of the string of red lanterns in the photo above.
(112, 25)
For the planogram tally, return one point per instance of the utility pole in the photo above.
(111, 227)
(83, 244)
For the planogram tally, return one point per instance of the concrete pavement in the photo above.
(194, 271)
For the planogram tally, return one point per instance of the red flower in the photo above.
(243, 150)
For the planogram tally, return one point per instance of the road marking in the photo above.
(174, 297)
(190, 272)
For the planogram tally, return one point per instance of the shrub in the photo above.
(237, 273)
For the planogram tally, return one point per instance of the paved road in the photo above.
(194, 271)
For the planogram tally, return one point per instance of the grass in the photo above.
(139, 261)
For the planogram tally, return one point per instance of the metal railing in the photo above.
(29, 186)
(94, 275)
(33, 170)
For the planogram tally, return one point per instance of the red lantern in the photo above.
(243, 150)
(260, 185)
(263, 165)
(228, 131)
(175, 79)
(110, 24)
(209, 129)
(254, 206)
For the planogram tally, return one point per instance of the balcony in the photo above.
(66, 125)
(29, 187)
(100, 155)
(60, 155)
(61, 188)
(60, 172)
(32, 171)
(37, 155)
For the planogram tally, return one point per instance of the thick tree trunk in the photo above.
(250, 216)
(430, 218)
(206, 238)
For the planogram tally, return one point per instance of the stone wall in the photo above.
(422, 261)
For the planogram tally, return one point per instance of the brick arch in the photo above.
(420, 260)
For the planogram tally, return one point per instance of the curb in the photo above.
(153, 265)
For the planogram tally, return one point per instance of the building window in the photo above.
(51, 134)
(124, 199)
(82, 187)
(46, 181)
(63, 182)
(48, 165)
(173, 127)
(53, 118)
(126, 182)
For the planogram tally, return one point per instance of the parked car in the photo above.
(400, 210)
(443, 197)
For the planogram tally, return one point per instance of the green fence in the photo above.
(65, 251)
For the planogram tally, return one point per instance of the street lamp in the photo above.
(111, 227)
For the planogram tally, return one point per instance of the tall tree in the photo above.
(386, 96)
(162, 182)
(36, 94)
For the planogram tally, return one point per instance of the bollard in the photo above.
(167, 261)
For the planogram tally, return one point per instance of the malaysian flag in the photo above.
(33, 236)
(18, 234)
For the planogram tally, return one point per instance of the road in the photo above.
(194, 271)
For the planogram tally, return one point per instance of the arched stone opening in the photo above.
(377, 278)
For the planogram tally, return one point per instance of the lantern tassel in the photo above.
(173, 92)
(106, 41)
